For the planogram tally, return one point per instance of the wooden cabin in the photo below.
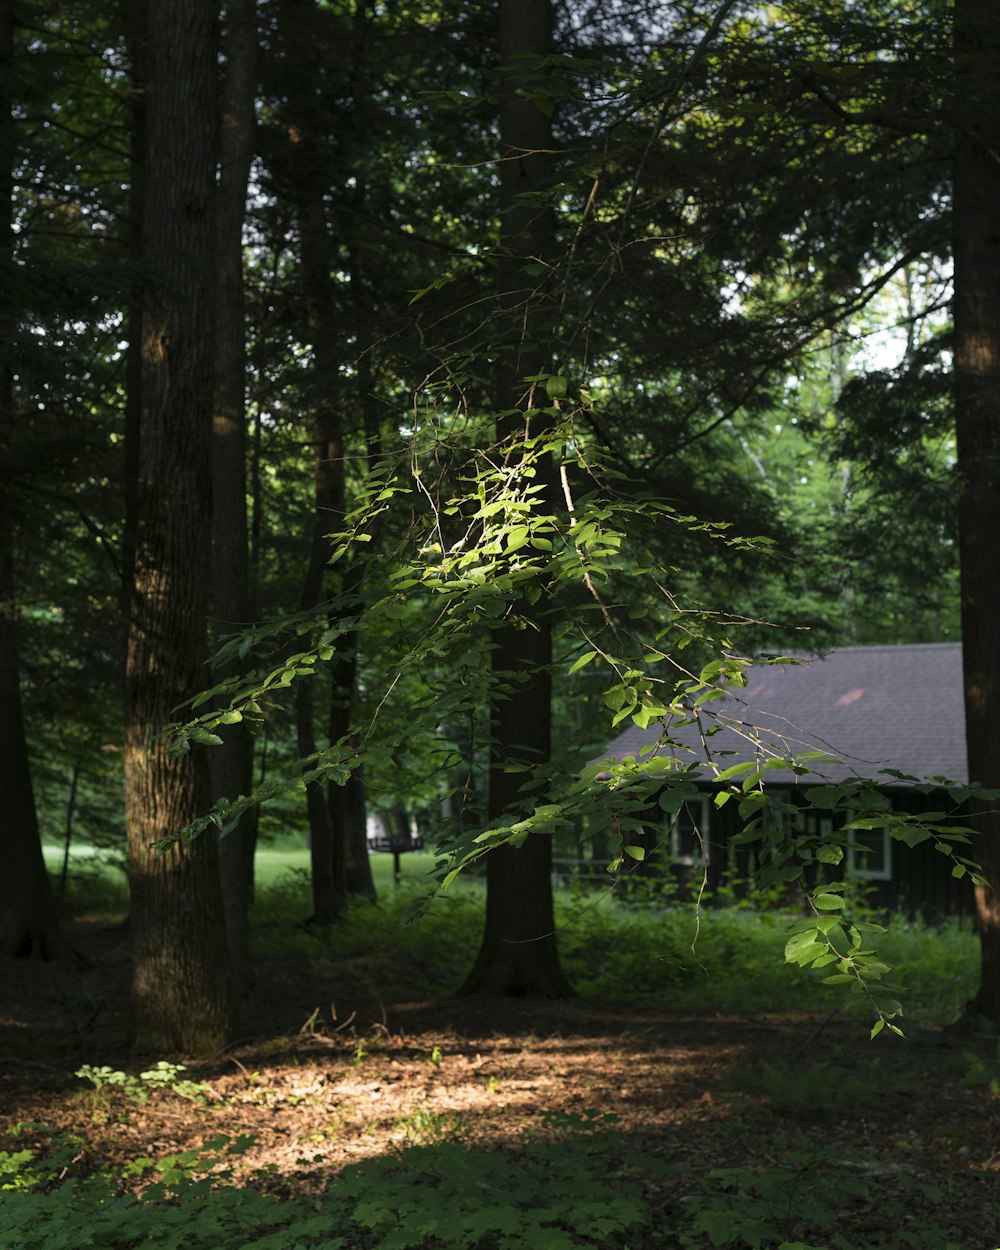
(872, 708)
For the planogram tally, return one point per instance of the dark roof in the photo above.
(895, 707)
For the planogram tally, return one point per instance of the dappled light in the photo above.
(499, 666)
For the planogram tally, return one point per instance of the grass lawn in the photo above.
(270, 865)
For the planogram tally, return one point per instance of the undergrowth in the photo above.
(582, 1189)
(439, 1195)
(648, 951)
(728, 959)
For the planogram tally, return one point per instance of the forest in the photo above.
(398, 403)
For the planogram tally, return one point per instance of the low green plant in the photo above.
(438, 1195)
(445, 1196)
(172, 1173)
(427, 1127)
(754, 1207)
(981, 1074)
(649, 955)
(809, 1193)
(585, 1132)
(27, 1169)
(93, 1213)
(808, 1091)
(15, 1169)
(108, 1082)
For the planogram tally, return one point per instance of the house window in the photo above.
(689, 832)
(785, 815)
(871, 857)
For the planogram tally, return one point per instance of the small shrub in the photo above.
(109, 1082)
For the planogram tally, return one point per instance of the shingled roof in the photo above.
(873, 708)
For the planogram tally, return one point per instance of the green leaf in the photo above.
(636, 852)
(830, 854)
(827, 902)
(556, 387)
(800, 942)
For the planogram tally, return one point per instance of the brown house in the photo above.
(873, 708)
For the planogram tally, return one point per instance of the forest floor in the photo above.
(756, 1130)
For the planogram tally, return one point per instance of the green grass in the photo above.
(97, 884)
(272, 863)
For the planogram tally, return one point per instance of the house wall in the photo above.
(919, 881)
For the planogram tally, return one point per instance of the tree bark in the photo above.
(327, 437)
(336, 813)
(519, 956)
(181, 980)
(977, 428)
(135, 18)
(232, 763)
(29, 927)
(28, 923)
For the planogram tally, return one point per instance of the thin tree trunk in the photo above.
(232, 763)
(339, 862)
(348, 803)
(29, 926)
(518, 955)
(134, 20)
(28, 923)
(326, 870)
(181, 981)
(977, 426)
(74, 785)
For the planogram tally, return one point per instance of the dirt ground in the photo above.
(324, 1077)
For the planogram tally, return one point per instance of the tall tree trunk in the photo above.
(324, 851)
(232, 763)
(327, 436)
(181, 980)
(518, 955)
(28, 923)
(339, 865)
(135, 18)
(348, 803)
(977, 427)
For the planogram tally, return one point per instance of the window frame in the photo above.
(857, 861)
